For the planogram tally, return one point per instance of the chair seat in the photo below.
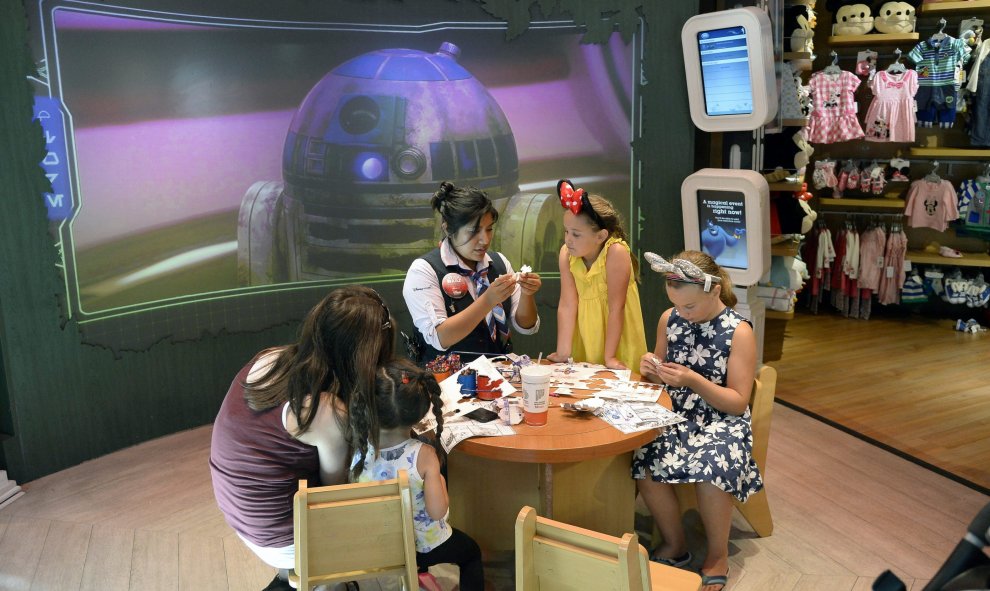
(668, 578)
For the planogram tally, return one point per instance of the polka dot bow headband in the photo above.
(681, 270)
(577, 201)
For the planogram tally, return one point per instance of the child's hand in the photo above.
(529, 283)
(649, 366)
(676, 374)
(499, 290)
(613, 363)
(556, 357)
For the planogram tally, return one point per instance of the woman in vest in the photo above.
(463, 298)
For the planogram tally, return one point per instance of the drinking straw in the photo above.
(540, 358)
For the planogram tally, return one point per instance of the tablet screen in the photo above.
(725, 75)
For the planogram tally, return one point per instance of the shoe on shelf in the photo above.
(932, 247)
(949, 252)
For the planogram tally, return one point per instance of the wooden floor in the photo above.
(144, 518)
(914, 384)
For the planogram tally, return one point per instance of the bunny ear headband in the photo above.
(681, 270)
(577, 201)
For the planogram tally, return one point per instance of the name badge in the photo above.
(454, 285)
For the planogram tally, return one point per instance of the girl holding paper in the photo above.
(706, 356)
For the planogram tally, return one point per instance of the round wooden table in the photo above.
(574, 469)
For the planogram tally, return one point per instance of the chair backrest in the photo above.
(761, 409)
(554, 556)
(354, 531)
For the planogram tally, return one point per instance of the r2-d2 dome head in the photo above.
(370, 144)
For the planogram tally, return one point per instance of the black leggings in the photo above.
(462, 550)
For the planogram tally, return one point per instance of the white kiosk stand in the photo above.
(728, 62)
(726, 215)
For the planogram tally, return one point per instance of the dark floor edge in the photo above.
(886, 447)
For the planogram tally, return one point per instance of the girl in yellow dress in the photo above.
(599, 319)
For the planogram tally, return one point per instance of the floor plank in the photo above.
(20, 549)
(155, 561)
(202, 564)
(63, 557)
(108, 559)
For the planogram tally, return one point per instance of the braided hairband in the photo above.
(681, 270)
(577, 201)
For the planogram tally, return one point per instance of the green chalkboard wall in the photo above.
(63, 402)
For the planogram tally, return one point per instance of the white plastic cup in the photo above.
(536, 393)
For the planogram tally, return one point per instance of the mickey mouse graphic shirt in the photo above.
(931, 205)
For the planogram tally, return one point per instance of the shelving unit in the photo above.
(786, 186)
(951, 153)
(969, 259)
(785, 249)
(776, 315)
(877, 203)
(794, 122)
(796, 55)
(873, 39)
(949, 7)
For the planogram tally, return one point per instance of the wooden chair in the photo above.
(354, 531)
(756, 510)
(554, 556)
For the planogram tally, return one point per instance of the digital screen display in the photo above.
(722, 226)
(214, 172)
(725, 75)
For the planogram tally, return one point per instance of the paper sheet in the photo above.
(637, 416)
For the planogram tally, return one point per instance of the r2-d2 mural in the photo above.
(365, 152)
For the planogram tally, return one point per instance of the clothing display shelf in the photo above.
(873, 39)
(778, 315)
(794, 123)
(876, 202)
(797, 55)
(951, 153)
(968, 259)
(952, 7)
(786, 185)
(789, 248)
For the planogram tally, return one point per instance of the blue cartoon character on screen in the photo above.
(715, 238)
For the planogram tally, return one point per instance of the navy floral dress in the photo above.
(710, 446)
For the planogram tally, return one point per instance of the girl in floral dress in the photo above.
(403, 396)
(706, 357)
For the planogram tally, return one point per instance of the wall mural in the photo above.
(220, 173)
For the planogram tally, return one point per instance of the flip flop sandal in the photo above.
(707, 580)
(677, 562)
(722, 580)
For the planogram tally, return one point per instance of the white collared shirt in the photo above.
(425, 301)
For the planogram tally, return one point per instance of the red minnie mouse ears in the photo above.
(570, 198)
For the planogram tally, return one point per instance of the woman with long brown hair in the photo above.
(295, 412)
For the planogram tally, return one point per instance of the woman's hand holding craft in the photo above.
(529, 283)
(499, 290)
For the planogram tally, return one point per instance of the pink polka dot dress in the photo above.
(834, 116)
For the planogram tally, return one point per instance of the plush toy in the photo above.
(895, 17)
(853, 19)
(799, 22)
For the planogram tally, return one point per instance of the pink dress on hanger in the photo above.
(834, 116)
(890, 117)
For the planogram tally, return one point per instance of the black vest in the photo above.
(479, 341)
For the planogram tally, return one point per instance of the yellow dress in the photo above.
(592, 314)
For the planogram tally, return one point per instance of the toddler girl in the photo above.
(599, 319)
(403, 396)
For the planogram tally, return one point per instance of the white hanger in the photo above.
(896, 67)
(833, 68)
(932, 177)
